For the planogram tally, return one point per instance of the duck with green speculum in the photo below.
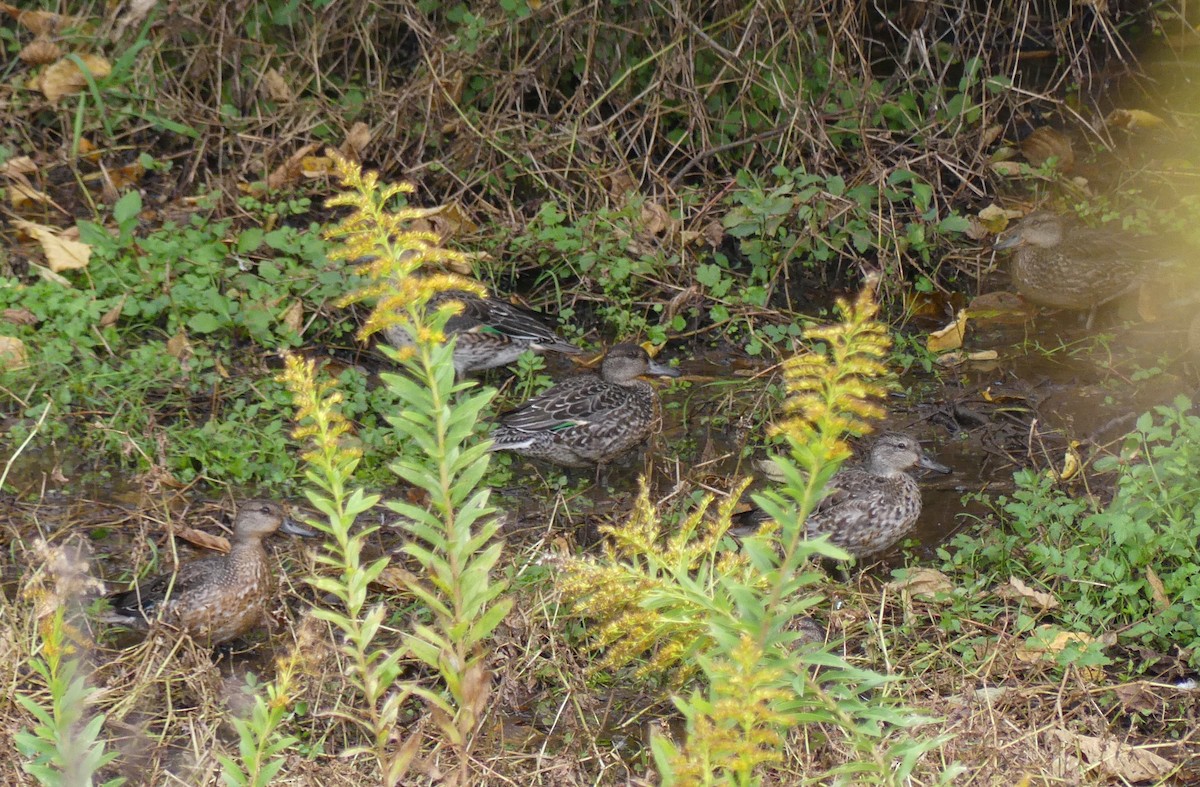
(217, 598)
(590, 419)
(488, 333)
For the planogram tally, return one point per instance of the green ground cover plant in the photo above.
(1123, 572)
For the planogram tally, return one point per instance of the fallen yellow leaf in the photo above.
(1037, 647)
(62, 254)
(1133, 119)
(950, 337)
(64, 77)
(12, 353)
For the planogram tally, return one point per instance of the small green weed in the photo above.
(1129, 569)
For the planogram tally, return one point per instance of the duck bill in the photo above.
(936, 467)
(294, 528)
(1007, 242)
(661, 370)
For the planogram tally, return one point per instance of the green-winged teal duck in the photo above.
(217, 598)
(1060, 263)
(588, 419)
(869, 507)
(489, 333)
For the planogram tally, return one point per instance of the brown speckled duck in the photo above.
(871, 507)
(217, 598)
(588, 419)
(1060, 263)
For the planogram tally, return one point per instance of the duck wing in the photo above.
(144, 599)
(484, 315)
(576, 401)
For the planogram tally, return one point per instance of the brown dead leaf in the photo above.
(1137, 697)
(1016, 589)
(126, 177)
(923, 582)
(357, 139)
(41, 23)
(203, 540)
(179, 347)
(1133, 119)
(39, 52)
(1007, 169)
(450, 220)
(1129, 763)
(396, 579)
(950, 337)
(714, 233)
(290, 171)
(1157, 590)
(64, 77)
(293, 317)
(62, 253)
(19, 316)
(1045, 143)
(16, 170)
(12, 353)
(276, 87)
(112, 315)
(19, 165)
(656, 220)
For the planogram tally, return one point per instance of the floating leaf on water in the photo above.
(1133, 119)
(950, 337)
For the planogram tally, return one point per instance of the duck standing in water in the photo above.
(871, 507)
(590, 419)
(489, 333)
(216, 598)
(1063, 264)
